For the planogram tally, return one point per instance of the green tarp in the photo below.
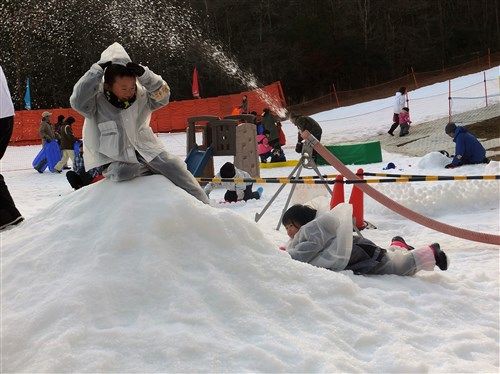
(357, 154)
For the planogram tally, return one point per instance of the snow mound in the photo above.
(433, 160)
(435, 199)
(141, 277)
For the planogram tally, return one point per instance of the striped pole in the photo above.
(402, 179)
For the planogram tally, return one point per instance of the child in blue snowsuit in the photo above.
(468, 150)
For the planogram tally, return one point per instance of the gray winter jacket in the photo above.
(113, 134)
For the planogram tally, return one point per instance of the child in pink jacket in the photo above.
(263, 148)
(404, 121)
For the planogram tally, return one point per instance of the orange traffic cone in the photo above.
(338, 192)
(356, 200)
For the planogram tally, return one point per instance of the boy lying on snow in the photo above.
(326, 241)
(117, 111)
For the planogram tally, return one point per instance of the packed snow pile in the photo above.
(141, 277)
(433, 160)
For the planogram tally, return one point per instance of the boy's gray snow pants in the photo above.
(165, 164)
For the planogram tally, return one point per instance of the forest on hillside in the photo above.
(236, 44)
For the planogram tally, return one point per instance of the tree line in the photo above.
(308, 45)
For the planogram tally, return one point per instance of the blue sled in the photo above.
(49, 156)
(197, 159)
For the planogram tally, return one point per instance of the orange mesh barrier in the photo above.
(171, 118)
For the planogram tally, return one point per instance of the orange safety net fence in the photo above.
(171, 118)
(337, 98)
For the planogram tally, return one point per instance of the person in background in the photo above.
(57, 130)
(67, 142)
(404, 121)
(263, 148)
(468, 150)
(59, 124)
(244, 105)
(277, 155)
(399, 103)
(281, 134)
(79, 177)
(235, 191)
(117, 115)
(270, 125)
(305, 123)
(326, 240)
(259, 127)
(9, 215)
(46, 131)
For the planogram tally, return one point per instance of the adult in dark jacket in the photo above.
(468, 150)
(67, 141)
(9, 215)
(59, 124)
(270, 125)
(305, 123)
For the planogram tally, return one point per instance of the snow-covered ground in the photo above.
(141, 277)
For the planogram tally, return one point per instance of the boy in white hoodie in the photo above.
(117, 112)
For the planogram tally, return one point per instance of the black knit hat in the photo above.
(450, 128)
(299, 214)
(227, 170)
(69, 121)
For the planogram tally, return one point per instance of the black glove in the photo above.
(137, 69)
(450, 166)
(298, 148)
(104, 65)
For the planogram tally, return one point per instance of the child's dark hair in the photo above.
(227, 170)
(69, 121)
(116, 70)
(298, 214)
(406, 109)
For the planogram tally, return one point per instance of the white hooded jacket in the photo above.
(326, 241)
(114, 134)
(6, 106)
(399, 102)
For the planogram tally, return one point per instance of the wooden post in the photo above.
(485, 89)
(335, 93)
(489, 58)
(414, 78)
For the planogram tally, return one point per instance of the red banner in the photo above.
(195, 87)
